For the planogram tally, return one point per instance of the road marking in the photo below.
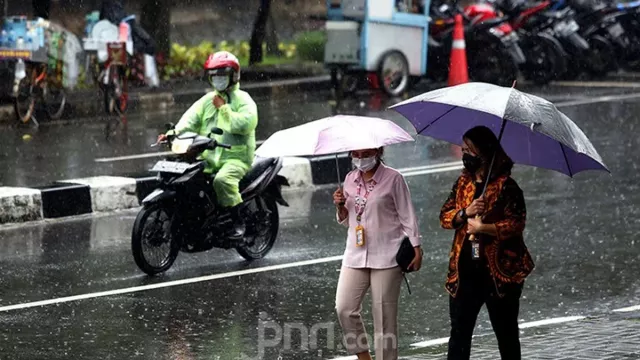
(146, 155)
(432, 171)
(168, 284)
(598, 99)
(552, 321)
(621, 84)
(606, 98)
(429, 343)
(525, 325)
(133, 157)
(431, 166)
(628, 309)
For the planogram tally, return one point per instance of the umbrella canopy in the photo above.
(333, 135)
(531, 129)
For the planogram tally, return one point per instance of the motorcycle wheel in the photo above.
(142, 239)
(262, 229)
(489, 62)
(601, 57)
(545, 62)
(633, 61)
(393, 73)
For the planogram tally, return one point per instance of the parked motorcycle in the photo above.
(619, 24)
(585, 51)
(182, 214)
(493, 52)
(546, 58)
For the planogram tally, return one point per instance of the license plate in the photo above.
(616, 30)
(173, 167)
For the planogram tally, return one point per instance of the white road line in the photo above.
(586, 101)
(133, 157)
(552, 321)
(431, 166)
(429, 343)
(168, 284)
(628, 309)
(431, 171)
(142, 156)
(611, 84)
(598, 99)
(525, 325)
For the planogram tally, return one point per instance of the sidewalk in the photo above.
(611, 337)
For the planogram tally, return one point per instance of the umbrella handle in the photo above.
(338, 172)
(472, 237)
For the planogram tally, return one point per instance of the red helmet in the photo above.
(223, 63)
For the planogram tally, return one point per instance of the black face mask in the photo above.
(471, 163)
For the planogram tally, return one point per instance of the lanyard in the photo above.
(361, 202)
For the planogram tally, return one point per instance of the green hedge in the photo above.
(310, 45)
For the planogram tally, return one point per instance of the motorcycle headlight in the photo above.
(180, 146)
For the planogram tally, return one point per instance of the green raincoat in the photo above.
(238, 119)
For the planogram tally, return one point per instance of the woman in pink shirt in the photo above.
(376, 207)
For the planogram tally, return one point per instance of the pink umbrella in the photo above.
(333, 135)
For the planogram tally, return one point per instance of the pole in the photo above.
(338, 171)
(486, 181)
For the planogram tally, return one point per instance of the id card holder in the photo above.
(359, 235)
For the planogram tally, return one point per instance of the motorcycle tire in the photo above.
(490, 62)
(601, 58)
(545, 61)
(271, 221)
(137, 242)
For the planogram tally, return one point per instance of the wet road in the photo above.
(67, 150)
(581, 232)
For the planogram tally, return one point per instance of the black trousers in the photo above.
(503, 313)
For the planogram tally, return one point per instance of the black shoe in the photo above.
(238, 228)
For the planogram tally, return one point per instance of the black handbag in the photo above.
(404, 257)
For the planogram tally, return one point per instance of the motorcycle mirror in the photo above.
(216, 131)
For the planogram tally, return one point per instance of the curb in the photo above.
(88, 104)
(66, 198)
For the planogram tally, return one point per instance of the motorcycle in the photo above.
(494, 52)
(182, 214)
(588, 51)
(617, 24)
(546, 57)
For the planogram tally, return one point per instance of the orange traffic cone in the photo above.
(458, 71)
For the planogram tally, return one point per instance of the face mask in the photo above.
(220, 83)
(471, 163)
(364, 164)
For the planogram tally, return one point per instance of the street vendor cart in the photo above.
(386, 37)
(45, 60)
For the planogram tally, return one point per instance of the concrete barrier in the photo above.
(73, 197)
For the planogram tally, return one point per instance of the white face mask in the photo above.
(364, 164)
(220, 83)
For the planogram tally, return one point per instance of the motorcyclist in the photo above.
(235, 113)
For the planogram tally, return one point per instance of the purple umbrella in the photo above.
(531, 129)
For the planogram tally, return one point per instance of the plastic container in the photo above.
(17, 24)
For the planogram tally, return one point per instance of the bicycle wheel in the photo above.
(24, 101)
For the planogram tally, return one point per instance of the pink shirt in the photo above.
(388, 217)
